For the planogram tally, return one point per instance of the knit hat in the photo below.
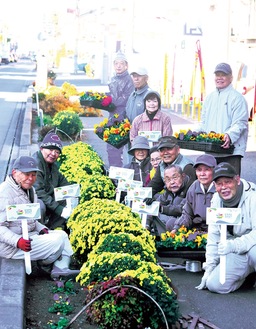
(25, 164)
(139, 142)
(120, 57)
(51, 141)
(224, 169)
(223, 67)
(207, 160)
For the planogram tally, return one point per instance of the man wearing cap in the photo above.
(170, 154)
(225, 111)
(49, 177)
(240, 245)
(51, 249)
(198, 197)
(120, 88)
(135, 103)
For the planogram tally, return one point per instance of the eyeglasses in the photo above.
(173, 178)
(155, 160)
(57, 152)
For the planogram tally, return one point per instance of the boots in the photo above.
(61, 269)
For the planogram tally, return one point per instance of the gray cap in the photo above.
(140, 71)
(167, 142)
(224, 169)
(119, 56)
(26, 164)
(223, 67)
(207, 160)
(139, 142)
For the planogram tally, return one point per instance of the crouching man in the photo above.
(51, 249)
(240, 246)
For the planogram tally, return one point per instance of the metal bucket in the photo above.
(193, 266)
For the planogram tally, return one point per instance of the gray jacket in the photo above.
(194, 210)
(226, 111)
(135, 103)
(11, 231)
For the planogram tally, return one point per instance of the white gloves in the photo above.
(202, 285)
(226, 247)
(66, 212)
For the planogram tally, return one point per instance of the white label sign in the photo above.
(68, 191)
(140, 207)
(127, 185)
(23, 211)
(118, 172)
(152, 136)
(227, 216)
(139, 193)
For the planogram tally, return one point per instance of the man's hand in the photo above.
(66, 212)
(44, 231)
(226, 247)
(148, 201)
(227, 142)
(24, 245)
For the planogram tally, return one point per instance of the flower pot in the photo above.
(205, 147)
(185, 252)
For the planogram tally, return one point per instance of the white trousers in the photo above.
(47, 247)
(238, 267)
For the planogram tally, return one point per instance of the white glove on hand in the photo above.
(66, 212)
(226, 247)
(202, 285)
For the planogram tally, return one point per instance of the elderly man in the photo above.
(51, 249)
(240, 246)
(135, 102)
(170, 154)
(225, 111)
(49, 177)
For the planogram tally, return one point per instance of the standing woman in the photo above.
(152, 119)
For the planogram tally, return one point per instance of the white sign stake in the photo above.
(26, 253)
(223, 238)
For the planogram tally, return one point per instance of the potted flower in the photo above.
(113, 131)
(202, 141)
(97, 100)
(185, 242)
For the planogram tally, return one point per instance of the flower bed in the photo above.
(97, 100)
(201, 141)
(113, 131)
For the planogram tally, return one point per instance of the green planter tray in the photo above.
(205, 147)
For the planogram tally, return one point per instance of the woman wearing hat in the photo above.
(140, 161)
(152, 119)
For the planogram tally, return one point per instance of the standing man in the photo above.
(225, 111)
(240, 246)
(120, 88)
(50, 177)
(135, 103)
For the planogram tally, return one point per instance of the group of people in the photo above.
(183, 188)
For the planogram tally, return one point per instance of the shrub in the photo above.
(128, 307)
(79, 160)
(69, 122)
(59, 103)
(92, 219)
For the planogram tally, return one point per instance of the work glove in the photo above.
(66, 212)
(202, 285)
(226, 247)
(44, 231)
(148, 201)
(24, 245)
